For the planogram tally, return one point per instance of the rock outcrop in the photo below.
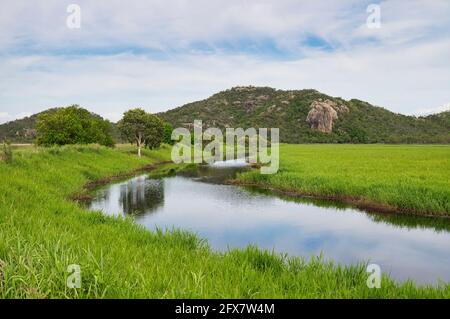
(323, 113)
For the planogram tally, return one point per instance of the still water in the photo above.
(230, 216)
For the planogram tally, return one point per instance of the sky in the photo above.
(160, 54)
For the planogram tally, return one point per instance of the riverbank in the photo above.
(42, 233)
(409, 179)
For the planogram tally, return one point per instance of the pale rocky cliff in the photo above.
(323, 113)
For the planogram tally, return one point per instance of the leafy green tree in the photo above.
(72, 125)
(142, 128)
(168, 133)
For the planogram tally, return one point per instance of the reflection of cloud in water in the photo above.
(230, 216)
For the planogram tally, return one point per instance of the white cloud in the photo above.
(162, 25)
(433, 110)
(403, 66)
(396, 79)
(159, 24)
(6, 117)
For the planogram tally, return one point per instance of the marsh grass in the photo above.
(403, 178)
(41, 233)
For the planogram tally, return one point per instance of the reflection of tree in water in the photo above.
(213, 175)
(141, 196)
(398, 220)
(412, 222)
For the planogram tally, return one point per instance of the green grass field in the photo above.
(42, 232)
(410, 179)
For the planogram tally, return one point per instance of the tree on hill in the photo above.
(142, 128)
(72, 125)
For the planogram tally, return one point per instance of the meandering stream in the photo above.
(231, 216)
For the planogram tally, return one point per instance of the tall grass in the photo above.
(413, 178)
(41, 233)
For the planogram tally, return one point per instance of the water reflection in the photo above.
(213, 174)
(399, 220)
(230, 216)
(137, 196)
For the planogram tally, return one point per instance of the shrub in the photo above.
(73, 125)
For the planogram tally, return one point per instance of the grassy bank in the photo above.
(42, 232)
(411, 179)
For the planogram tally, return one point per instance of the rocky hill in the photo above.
(303, 116)
(24, 130)
(21, 130)
(308, 116)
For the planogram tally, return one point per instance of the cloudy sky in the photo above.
(158, 54)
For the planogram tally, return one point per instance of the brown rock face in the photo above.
(249, 105)
(323, 113)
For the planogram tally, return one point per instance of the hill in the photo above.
(24, 130)
(21, 130)
(303, 116)
(308, 116)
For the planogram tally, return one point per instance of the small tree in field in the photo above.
(142, 128)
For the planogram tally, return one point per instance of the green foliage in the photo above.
(6, 155)
(168, 133)
(21, 130)
(41, 233)
(357, 135)
(72, 125)
(142, 128)
(266, 107)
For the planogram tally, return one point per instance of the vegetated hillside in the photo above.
(24, 130)
(21, 130)
(303, 116)
(308, 116)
